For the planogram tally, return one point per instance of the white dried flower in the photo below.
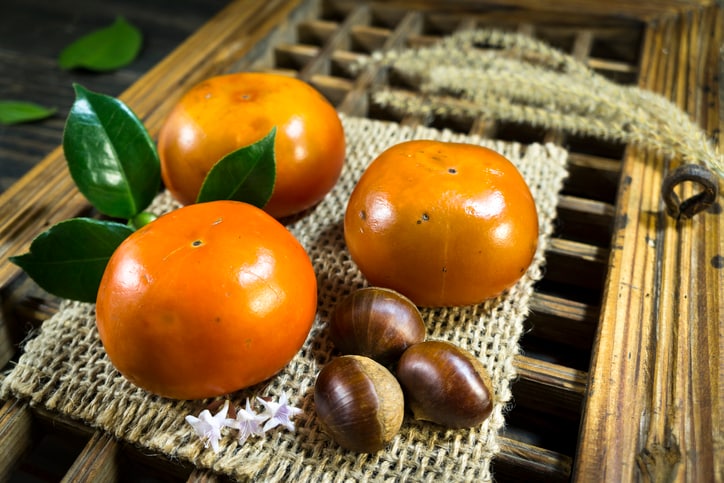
(208, 427)
(247, 422)
(279, 414)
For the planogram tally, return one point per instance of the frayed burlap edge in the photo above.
(64, 369)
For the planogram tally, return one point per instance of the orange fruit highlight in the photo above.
(206, 300)
(227, 112)
(442, 223)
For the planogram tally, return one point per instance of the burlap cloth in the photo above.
(65, 370)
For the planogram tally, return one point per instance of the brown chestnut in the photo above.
(359, 403)
(376, 322)
(445, 384)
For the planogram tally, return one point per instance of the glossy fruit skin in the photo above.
(376, 322)
(227, 112)
(445, 384)
(359, 403)
(445, 224)
(208, 299)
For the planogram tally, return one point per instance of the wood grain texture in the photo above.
(633, 290)
(98, 462)
(654, 405)
(15, 427)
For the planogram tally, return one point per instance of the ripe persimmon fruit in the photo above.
(224, 113)
(442, 223)
(205, 300)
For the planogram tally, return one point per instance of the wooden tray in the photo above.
(621, 377)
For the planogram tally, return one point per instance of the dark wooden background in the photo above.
(32, 34)
(634, 404)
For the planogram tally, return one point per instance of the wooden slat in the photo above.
(356, 102)
(345, 59)
(579, 264)
(520, 461)
(655, 400)
(369, 39)
(549, 388)
(335, 89)
(15, 434)
(98, 462)
(592, 177)
(585, 220)
(104, 457)
(656, 372)
(8, 338)
(320, 64)
(294, 56)
(645, 11)
(316, 31)
(562, 320)
(611, 65)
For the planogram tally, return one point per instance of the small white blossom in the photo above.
(279, 414)
(247, 422)
(208, 427)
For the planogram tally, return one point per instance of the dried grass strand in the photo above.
(512, 77)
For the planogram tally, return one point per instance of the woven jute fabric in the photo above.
(65, 370)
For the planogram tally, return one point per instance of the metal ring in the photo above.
(704, 199)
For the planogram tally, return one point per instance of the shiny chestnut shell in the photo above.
(445, 384)
(359, 403)
(376, 322)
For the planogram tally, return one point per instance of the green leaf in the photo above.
(68, 259)
(15, 112)
(104, 49)
(110, 155)
(247, 174)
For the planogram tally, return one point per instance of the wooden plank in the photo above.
(654, 410)
(335, 89)
(15, 433)
(98, 462)
(316, 31)
(24, 307)
(585, 220)
(576, 12)
(550, 388)
(579, 264)
(369, 39)
(518, 461)
(562, 320)
(320, 64)
(294, 56)
(654, 261)
(356, 101)
(592, 177)
(689, 400)
(126, 461)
